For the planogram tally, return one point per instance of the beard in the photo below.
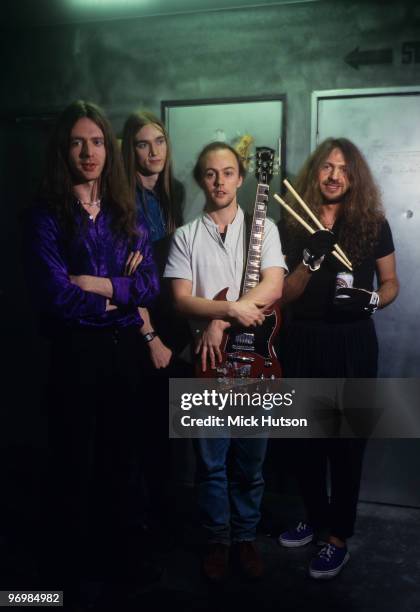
(338, 199)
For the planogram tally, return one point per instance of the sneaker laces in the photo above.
(327, 552)
(301, 526)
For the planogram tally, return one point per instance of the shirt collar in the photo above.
(213, 227)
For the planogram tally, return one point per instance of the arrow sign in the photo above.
(373, 56)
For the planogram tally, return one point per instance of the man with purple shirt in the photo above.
(79, 245)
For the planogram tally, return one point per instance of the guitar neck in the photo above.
(253, 262)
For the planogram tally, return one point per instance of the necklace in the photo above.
(90, 204)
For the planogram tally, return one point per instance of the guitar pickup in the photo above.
(243, 342)
(241, 358)
(240, 347)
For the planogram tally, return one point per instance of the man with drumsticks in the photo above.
(329, 333)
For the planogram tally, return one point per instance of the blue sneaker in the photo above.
(328, 562)
(298, 536)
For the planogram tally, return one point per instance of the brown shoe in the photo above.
(250, 560)
(216, 562)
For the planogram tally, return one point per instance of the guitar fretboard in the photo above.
(253, 263)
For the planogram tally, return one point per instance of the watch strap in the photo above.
(149, 336)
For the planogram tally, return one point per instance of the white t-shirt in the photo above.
(199, 254)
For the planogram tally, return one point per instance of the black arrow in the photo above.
(374, 56)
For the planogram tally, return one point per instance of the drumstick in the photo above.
(313, 217)
(309, 228)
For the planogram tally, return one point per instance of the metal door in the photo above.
(385, 125)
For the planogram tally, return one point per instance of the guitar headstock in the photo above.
(264, 162)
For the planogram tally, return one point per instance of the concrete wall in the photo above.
(292, 49)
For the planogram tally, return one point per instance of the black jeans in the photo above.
(158, 449)
(95, 408)
(336, 513)
(316, 349)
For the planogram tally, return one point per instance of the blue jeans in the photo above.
(230, 488)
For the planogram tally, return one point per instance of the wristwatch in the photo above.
(149, 336)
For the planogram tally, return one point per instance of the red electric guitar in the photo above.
(248, 352)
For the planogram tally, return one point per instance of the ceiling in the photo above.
(16, 13)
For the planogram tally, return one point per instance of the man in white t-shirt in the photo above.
(206, 256)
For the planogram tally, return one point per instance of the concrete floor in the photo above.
(383, 572)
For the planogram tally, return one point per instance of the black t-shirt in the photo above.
(316, 302)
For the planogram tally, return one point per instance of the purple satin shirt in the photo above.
(95, 250)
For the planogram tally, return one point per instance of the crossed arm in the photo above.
(103, 286)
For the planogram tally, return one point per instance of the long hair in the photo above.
(57, 185)
(362, 212)
(216, 146)
(169, 200)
